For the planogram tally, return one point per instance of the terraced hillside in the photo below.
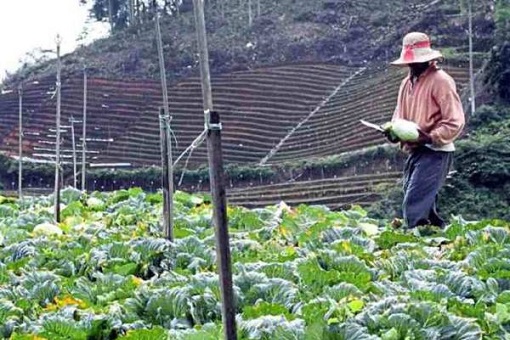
(35, 94)
(258, 108)
(112, 107)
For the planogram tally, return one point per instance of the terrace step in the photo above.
(333, 192)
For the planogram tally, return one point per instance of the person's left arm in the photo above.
(452, 119)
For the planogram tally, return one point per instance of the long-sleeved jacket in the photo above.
(433, 103)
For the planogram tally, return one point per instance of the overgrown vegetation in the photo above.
(482, 185)
(498, 75)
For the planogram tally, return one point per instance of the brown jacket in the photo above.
(432, 103)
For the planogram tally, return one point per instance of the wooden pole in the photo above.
(73, 141)
(57, 144)
(471, 75)
(204, 54)
(222, 5)
(250, 14)
(20, 142)
(163, 127)
(84, 132)
(131, 12)
(216, 173)
(168, 182)
(110, 15)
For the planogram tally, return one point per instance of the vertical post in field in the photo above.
(84, 132)
(73, 141)
(167, 166)
(20, 143)
(471, 73)
(57, 145)
(216, 175)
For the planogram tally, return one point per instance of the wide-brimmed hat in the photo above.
(416, 48)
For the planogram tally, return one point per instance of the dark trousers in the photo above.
(424, 174)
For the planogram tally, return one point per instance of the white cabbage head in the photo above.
(405, 130)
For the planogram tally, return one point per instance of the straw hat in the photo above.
(416, 49)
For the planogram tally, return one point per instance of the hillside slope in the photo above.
(287, 31)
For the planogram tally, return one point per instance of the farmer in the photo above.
(428, 97)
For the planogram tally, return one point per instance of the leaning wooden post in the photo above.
(57, 144)
(20, 142)
(84, 132)
(216, 175)
(73, 141)
(165, 171)
(169, 174)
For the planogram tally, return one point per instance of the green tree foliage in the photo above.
(115, 11)
(498, 72)
(481, 185)
(123, 13)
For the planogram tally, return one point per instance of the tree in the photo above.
(115, 11)
(498, 70)
(123, 13)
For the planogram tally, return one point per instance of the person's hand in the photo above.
(390, 137)
(423, 138)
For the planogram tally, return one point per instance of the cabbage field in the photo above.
(105, 272)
